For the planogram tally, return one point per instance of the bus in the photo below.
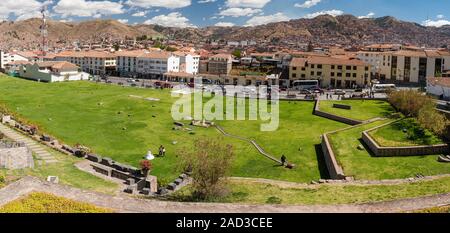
(383, 88)
(305, 84)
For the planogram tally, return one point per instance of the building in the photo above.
(154, 64)
(126, 65)
(245, 80)
(439, 87)
(330, 71)
(6, 58)
(189, 62)
(54, 71)
(12, 68)
(406, 66)
(93, 62)
(219, 64)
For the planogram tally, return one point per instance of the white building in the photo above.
(189, 62)
(6, 58)
(407, 65)
(154, 64)
(52, 72)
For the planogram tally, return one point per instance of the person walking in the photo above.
(283, 160)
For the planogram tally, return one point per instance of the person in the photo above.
(283, 160)
(160, 151)
(163, 151)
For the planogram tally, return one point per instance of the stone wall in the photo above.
(381, 151)
(334, 169)
(330, 116)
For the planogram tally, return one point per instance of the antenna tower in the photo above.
(44, 32)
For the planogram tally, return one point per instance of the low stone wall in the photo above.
(334, 169)
(381, 151)
(333, 117)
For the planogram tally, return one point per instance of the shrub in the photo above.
(208, 163)
(274, 200)
(409, 102)
(432, 120)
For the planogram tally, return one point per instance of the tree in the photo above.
(432, 120)
(116, 47)
(208, 164)
(237, 53)
(409, 102)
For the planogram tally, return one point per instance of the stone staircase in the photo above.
(37, 148)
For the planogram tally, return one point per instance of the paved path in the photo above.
(126, 203)
(40, 150)
(253, 142)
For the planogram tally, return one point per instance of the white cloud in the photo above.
(368, 16)
(124, 21)
(238, 12)
(224, 24)
(333, 13)
(171, 4)
(440, 16)
(206, 1)
(84, 8)
(436, 23)
(247, 3)
(174, 19)
(22, 9)
(308, 4)
(139, 14)
(261, 20)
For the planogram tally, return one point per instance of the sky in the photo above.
(201, 13)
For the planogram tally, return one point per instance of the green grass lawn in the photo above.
(361, 165)
(361, 109)
(106, 119)
(405, 132)
(258, 193)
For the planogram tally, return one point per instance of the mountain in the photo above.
(324, 29)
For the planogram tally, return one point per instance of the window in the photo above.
(348, 75)
(319, 66)
(332, 67)
(303, 68)
(294, 75)
(332, 74)
(354, 67)
(348, 67)
(312, 66)
(294, 68)
(319, 73)
(312, 72)
(354, 75)
(339, 67)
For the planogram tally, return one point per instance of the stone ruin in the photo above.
(14, 155)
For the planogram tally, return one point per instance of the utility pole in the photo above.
(44, 32)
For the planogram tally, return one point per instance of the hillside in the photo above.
(325, 29)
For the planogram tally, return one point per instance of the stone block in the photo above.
(107, 161)
(178, 181)
(94, 158)
(171, 186)
(183, 176)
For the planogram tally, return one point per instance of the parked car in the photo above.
(358, 93)
(305, 92)
(339, 92)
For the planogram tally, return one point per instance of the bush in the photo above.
(432, 120)
(274, 200)
(409, 102)
(208, 163)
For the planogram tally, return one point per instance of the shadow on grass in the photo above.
(322, 166)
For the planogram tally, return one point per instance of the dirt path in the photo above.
(124, 203)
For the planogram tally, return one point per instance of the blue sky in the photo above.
(200, 13)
